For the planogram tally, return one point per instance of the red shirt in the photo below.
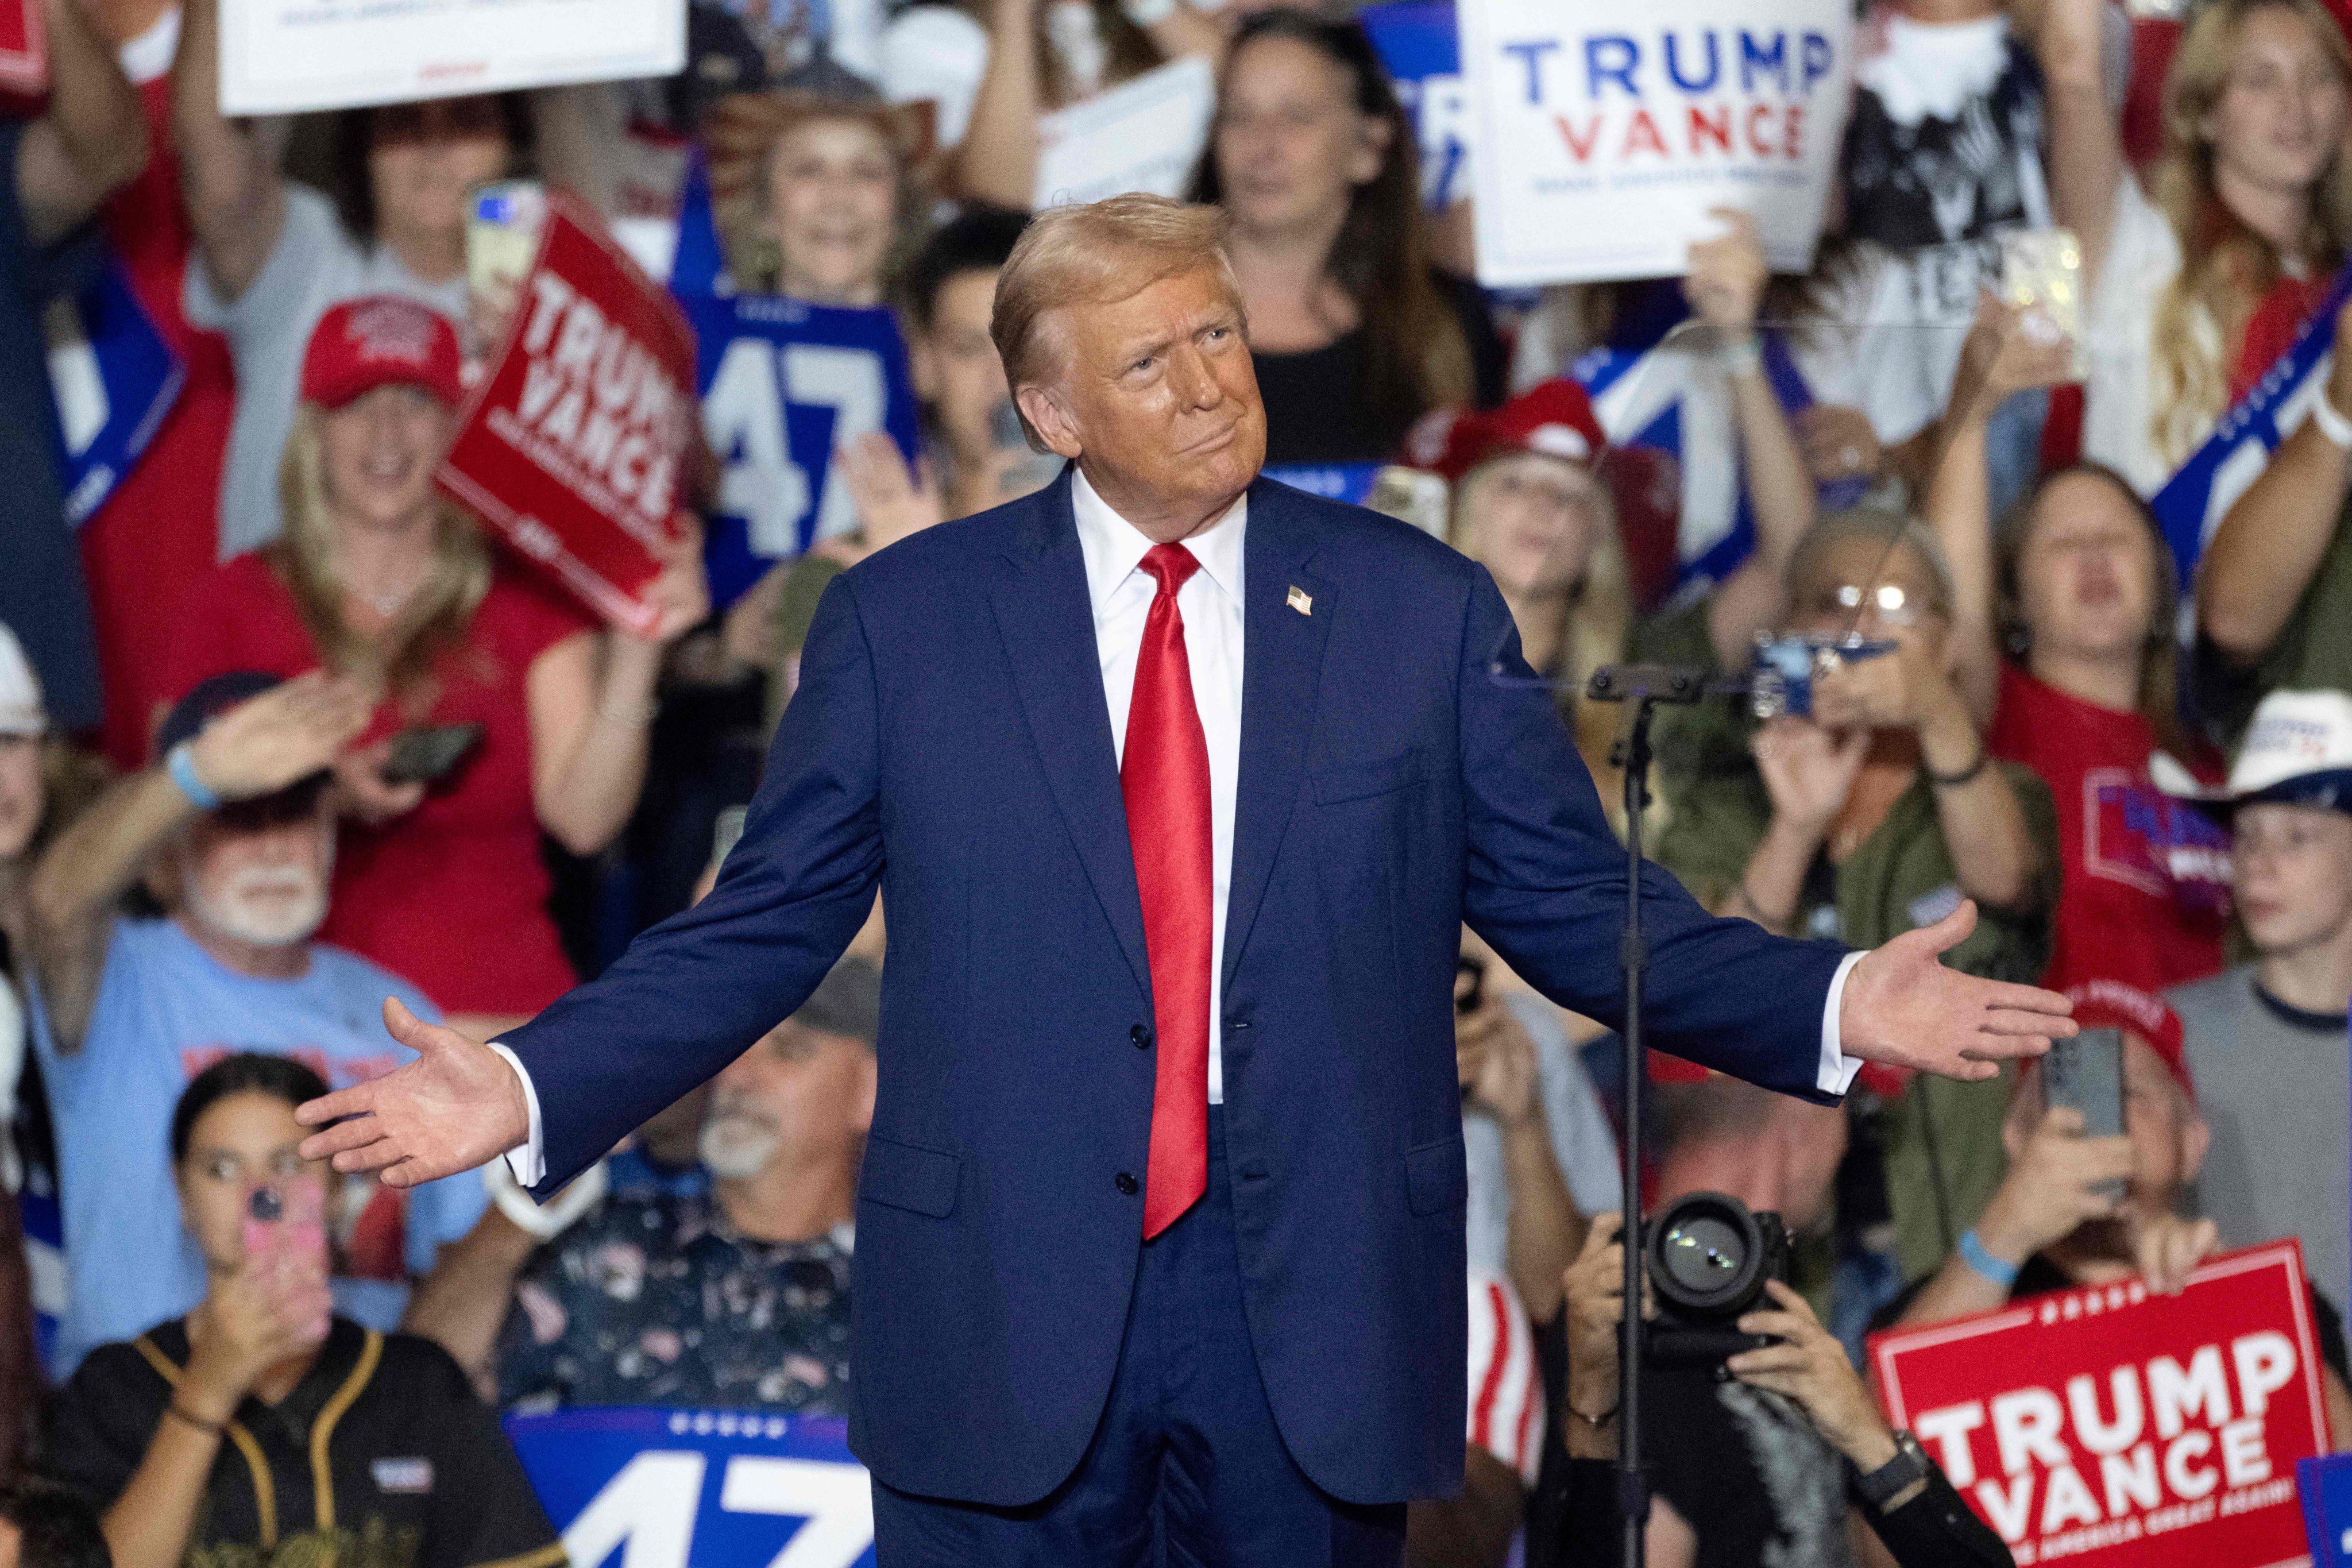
(157, 530)
(2145, 889)
(453, 895)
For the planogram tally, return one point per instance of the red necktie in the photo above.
(1164, 776)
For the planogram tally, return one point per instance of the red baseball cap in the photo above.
(381, 340)
(2111, 1004)
(1555, 418)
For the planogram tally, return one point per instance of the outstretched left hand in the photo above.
(1904, 1008)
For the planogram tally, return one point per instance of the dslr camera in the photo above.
(1707, 1256)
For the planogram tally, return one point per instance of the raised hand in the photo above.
(1809, 1366)
(456, 1105)
(1839, 442)
(1904, 1008)
(1807, 771)
(253, 1320)
(1728, 274)
(2009, 350)
(892, 499)
(2055, 1182)
(681, 597)
(286, 735)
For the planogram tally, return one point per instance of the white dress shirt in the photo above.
(1119, 593)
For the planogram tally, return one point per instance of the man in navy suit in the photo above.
(1178, 786)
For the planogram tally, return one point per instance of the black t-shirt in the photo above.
(1320, 410)
(418, 1474)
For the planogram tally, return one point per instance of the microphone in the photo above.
(1660, 683)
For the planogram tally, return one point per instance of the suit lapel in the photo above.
(1282, 663)
(1046, 619)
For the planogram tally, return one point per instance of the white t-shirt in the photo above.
(2118, 329)
(314, 267)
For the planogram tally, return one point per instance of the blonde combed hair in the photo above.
(2226, 267)
(1095, 254)
(1596, 614)
(435, 616)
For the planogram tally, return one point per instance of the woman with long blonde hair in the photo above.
(438, 876)
(2193, 295)
(1530, 504)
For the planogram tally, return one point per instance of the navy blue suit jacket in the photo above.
(950, 745)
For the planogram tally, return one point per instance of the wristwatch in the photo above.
(1906, 1470)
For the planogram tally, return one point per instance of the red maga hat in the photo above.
(381, 340)
(2111, 1004)
(1555, 418)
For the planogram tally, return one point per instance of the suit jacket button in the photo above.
(1142, 1037)
(1126, 1184)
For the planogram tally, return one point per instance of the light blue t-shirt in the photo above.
(167, 1009)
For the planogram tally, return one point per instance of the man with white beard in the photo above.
(232, 832)
(728, 1293)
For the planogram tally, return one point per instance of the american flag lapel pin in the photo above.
(1300, 600)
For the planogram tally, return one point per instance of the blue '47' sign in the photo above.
(640, 1488)
(785, 385)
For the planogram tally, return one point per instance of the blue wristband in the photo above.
(1974, 1254)
(180, 762)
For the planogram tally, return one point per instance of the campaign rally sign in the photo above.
(114, 378)
(785, 386)
(1605, 132)
(701, 1488)
(2193, 502)
(1416, 40)
(2107, 1424)
(572, 443)
(1142, 135)
(283, 57)
(24, 49)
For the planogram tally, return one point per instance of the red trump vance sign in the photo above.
(2108, 1426)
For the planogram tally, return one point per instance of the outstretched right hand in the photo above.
(456, 1105)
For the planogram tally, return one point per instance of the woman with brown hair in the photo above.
(2191, 295)
(817, 196)
(1354, 332)
(438, 876)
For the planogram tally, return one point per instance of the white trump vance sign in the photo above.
(1606, 131)
(283, 57)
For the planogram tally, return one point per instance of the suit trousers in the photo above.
(1187, 1467)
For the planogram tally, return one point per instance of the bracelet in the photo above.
(180, 762)
(214, 1427)
(1965, 775)
(633, 716)
(1744, 356)
(1976, 1255)
(1595, 1421)
(2331, 421)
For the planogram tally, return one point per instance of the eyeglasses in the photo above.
(1889, 601)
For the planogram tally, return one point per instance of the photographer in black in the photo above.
(1770, 1456)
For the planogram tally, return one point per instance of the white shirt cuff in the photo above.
(528, 1161)
(1836, 1074)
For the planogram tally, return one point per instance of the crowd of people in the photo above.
(225, 840)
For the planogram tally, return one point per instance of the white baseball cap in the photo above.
(2297, 751)
(21, 712)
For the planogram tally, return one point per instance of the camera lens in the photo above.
(1703, 1254)
(1706, 1256)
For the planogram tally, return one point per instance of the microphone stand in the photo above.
(1641, 686)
